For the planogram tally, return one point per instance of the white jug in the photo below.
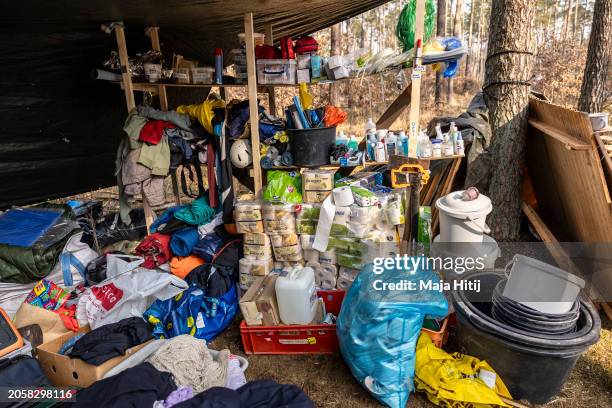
(296, 296)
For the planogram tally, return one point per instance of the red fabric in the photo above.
(155, 249)
(153, 130)
(212, 180)
(67, 314)
(267, 52)
(287, 48)
(306, 44)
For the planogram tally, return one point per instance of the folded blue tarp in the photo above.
(183, 241)
(24, 226)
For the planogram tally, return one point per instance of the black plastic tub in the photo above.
(310, 147)
(533, 368)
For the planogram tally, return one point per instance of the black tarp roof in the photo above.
(59, 128)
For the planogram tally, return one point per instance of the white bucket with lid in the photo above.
(599, 120)
(463, 221)
(541, 286)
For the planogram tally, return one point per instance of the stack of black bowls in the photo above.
(515, 314)
(532, 352)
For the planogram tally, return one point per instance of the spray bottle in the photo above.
(218, 66)
(459, 146)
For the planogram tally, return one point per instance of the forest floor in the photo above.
(329, 383)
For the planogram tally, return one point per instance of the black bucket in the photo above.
(310, 147)
(533, 366)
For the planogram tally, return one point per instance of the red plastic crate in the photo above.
(295, 339)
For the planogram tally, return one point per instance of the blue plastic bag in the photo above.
(193, 313)
(378, 330)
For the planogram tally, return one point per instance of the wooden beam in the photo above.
(545, 234)
(415, 98)
(269, 32)
(153, 33)
(395, 109)
(252, 94)
(570, 142)
(125, 68)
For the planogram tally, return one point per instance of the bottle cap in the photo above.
(218, 51)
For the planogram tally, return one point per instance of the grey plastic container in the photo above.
(541, 286)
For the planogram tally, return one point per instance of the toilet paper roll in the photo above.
(342, 215)
(311, 255)
(343, 196)
(307, 241)
(348, 273)
(328, 257)
(328, 283)
(343, 283)
(330, 269)
(358, 230)
(363, 215)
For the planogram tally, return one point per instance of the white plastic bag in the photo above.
(126, 295)
(117, 264)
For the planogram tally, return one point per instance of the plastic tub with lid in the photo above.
(487, 252)
(461, 220)
(541, 286)
(296, 296)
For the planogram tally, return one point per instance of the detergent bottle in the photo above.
(390, 143)
(370, 125)
(352, 143)
(341, 139)
(296, 295)
(403, 143)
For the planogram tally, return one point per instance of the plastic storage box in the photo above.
(202, 75)
(307, 339)
(276, 71)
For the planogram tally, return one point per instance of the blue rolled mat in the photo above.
(183, 241)
(23, 226)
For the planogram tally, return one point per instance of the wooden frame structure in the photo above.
(409, 97)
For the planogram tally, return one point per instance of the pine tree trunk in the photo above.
(598, 65)
(480, 35)
(575, 24)
(568, 18)
(441, 30)
(469, 41)
(507, 70)
(335, 49)
(363, 32)
(457, 32)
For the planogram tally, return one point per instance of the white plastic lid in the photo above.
(453, 204)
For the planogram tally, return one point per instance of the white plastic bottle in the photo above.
(379, 154)
(447, 147)
(370, 125)
(425, 146)
(459, 145)
(436, 148)
(296, 296)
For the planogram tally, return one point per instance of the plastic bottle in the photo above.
(218, 66)
(372, 145)
(459, 146)
(379, 153)
(352, 143)
(390, 143)
(296, 296)
(447, 146)
(404, 143)
(341, 139)
(453, 132)
(370, 125)
(425, 147)
(439, 134)
(436, 148)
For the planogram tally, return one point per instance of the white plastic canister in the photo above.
(296, 296)
(461, 220)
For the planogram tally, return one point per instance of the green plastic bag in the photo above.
(283, 187)
(406, 22)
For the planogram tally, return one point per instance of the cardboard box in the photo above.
(314, 197)
(258, 305)
(64, 371)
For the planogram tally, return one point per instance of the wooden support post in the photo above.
(131, 104)
(417, 72)
(153, 33)
(125, 68)
(252, 93)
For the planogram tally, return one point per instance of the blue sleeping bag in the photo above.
(183, 241)
(378, 330)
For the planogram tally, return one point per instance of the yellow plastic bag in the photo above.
(203, 112)
(452, 380)
(305, 97)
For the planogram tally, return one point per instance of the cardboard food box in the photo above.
(258, 305)
(64, 371)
